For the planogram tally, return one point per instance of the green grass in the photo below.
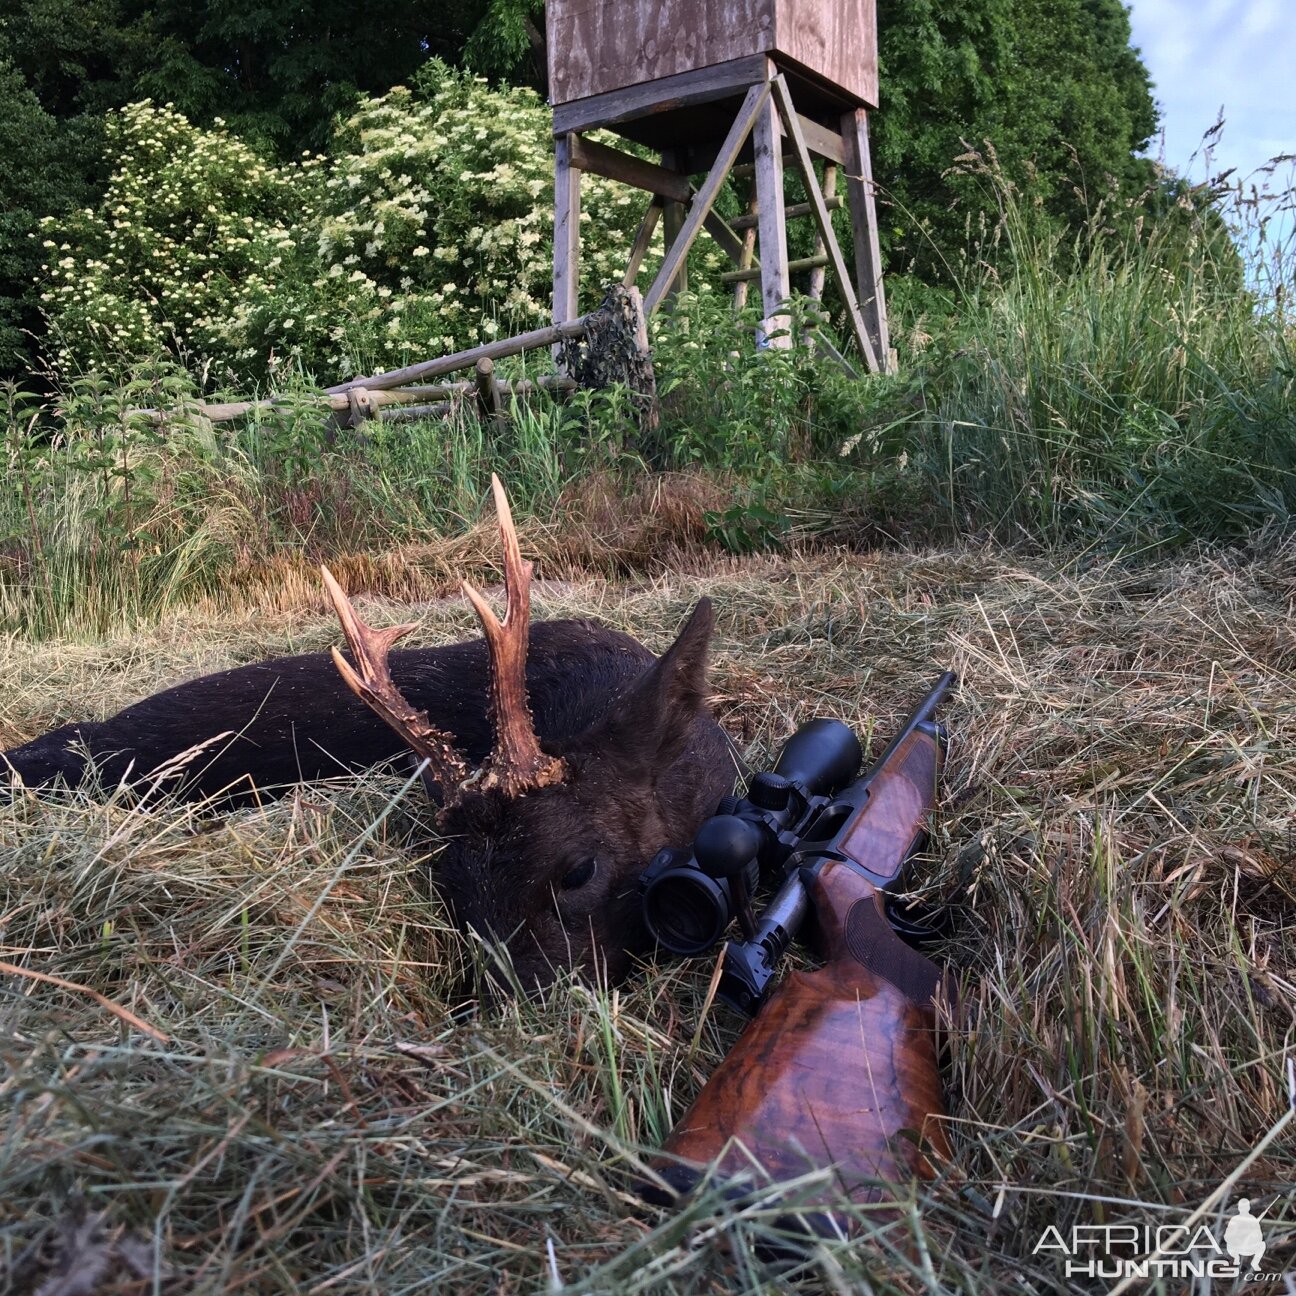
(1116, 386)
(1116, 390)
(1121, 794)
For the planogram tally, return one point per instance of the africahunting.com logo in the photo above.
(1163, 1250)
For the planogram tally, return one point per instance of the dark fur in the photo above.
(646, 764)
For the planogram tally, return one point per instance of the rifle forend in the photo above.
(837, 1071)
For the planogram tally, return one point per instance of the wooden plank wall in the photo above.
(836, 39)
(597, 46)
(601, 45)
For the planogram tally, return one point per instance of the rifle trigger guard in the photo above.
(918, 924)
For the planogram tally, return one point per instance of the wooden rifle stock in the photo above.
(838, 1068)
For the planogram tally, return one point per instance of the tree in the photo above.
(278, 71)
(1053, 85)
(41, 179)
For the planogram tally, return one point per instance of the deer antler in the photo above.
(374, 686)
(516, 763)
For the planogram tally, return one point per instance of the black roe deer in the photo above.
(592, 755)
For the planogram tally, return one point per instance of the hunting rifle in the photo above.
(837, 1069)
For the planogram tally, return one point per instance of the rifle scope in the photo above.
(690, 898)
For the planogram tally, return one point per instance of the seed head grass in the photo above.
(252, 1071)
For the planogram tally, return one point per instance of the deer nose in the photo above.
(489, 984)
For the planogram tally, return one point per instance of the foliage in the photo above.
(1053, 85)
(440, 224)
(509, 42)
(1113, 389)
(1119, 388)
(188, 251)
(114, 519)
(431, 232)
(1056, 87)
(62, 66)
(278, 72)
(118, 517)
(1109, 391)
(773, 418)
(39, 179)
(729, 402)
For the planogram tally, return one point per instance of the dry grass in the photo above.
(1121, 797)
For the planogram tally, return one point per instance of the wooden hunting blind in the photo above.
(719, 88)
(716, 88)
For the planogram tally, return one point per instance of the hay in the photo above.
(1120, 798)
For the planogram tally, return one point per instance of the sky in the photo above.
(1204, 54)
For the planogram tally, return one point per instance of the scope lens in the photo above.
(686, 911)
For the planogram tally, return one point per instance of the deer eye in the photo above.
(578, 876)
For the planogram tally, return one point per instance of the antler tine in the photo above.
(516, 763)
(374, 686)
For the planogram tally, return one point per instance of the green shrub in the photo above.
(441, 219)
(195, 240)
(429, 232)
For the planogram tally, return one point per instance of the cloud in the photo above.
(1237, 53)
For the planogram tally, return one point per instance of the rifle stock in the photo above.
(838, 1069)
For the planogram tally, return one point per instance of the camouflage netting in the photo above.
(615, 351)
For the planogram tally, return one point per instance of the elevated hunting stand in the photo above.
(723, 87)
(716, 88)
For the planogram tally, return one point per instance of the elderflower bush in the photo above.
(200, 247)
(442, 203)
(431, 230)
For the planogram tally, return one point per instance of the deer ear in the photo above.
(648, 727)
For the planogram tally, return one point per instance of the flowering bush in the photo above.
(196, 236)
(431, 230)
(442, 216)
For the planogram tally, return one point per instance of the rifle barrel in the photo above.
(923, 713)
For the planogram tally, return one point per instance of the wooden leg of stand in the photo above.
(566, 279)
(823, 219)
(672, 222)
(775, 287)
(868, 253)
(819, 273)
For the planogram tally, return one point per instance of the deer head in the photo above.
(544, 847)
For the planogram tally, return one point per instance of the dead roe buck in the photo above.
(601, 755)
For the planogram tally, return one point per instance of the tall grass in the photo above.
(1118, 386)
(107, 520)
(104, 523)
